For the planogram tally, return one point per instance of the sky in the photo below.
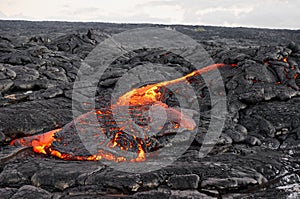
(283, 14)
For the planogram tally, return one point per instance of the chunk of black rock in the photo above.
(224, 139)
(253, 141)
(7, 193)
(236, 136)
(52, 92)
(271, 143)
(240, 128)
(28, 191)
(5, 85)
(175, 194)
(182, 182)
(294, 47)
(266, 128)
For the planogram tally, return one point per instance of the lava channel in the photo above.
(139, 97)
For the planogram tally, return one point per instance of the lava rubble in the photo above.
(257, 154)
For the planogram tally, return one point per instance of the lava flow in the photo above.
(150, 94)
(146, 96)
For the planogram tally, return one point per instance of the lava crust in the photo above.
(256, 155)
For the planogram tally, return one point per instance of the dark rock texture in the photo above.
(256, 156)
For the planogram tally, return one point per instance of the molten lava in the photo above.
(150, 94)
(147, 95)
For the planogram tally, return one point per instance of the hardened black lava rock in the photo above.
(256, 155)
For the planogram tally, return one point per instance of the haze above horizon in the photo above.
(282, 14)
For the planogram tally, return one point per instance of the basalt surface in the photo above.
(256, 155)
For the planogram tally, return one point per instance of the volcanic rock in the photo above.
(183, 181)
(255, 155)
(28, 191)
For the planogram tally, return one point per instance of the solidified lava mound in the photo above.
(257, 154)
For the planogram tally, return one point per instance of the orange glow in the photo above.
(147, 95)
(141, 155)
(37, 142)
(150, 94)
(285, 59)
(44, 141)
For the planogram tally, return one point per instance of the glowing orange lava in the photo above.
(140, 96)
(150, 94)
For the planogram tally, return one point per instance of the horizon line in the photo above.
(146, 23)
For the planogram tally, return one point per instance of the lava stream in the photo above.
(147, 95)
